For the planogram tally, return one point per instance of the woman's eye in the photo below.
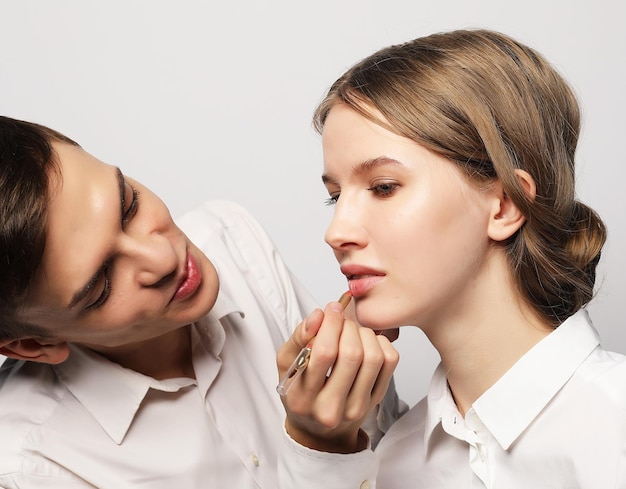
(384, 189)
(332, 200)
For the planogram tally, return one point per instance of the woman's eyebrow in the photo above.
(81, 293)
(365, 166)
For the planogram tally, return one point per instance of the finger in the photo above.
(298, 340)
(360, 399)
(308, 329)
(370, 385)
(339, 384)
(305, 331)
(391, 360)
(324, 347)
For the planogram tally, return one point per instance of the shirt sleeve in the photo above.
(304, 468)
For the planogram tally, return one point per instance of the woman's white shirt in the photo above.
(556, 419)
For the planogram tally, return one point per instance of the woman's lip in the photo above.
(362, 284)
(361, 279)
(190, 283)
(358, 271)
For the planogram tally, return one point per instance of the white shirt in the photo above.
(89, 422)
(556, 419)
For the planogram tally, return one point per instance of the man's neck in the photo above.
(164, 357)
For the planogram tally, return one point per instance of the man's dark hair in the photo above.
(27, 161)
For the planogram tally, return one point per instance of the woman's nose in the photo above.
(346, 229)
(152, 257)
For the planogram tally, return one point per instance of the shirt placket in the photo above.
(478, 453)
(469, 430)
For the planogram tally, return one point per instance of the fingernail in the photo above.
(306, 325)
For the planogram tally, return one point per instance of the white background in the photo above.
(208, 100)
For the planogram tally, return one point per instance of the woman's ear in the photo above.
(35, 350)
(506, 219)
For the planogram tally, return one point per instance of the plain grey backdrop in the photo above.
(213, 100)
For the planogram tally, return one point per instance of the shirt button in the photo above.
(365, 485)
(255, 460)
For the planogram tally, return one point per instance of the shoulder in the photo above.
(17, 378)
(597, 386)
(606, 372)
(402, 449)
(29, 395)
(225, 221)
(215, 213)
(408, 425)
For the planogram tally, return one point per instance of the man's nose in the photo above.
(152, 257)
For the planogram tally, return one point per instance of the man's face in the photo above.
(116, 270)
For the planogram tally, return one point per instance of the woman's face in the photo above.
(116, 269)
(409, 230)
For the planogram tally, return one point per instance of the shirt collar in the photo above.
(513, 402)
(110, 392)
(224, 305)
(113, 394)
(439, 402)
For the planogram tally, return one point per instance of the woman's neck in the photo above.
(483, 336)
(478, 359)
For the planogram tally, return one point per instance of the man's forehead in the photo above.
(85, 197)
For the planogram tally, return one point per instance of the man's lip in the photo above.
(190, 281)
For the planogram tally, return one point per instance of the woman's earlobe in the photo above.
(35, 350)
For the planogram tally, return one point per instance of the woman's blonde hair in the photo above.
(493, 105)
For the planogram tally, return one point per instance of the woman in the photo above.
(135, 360)
(450, 162)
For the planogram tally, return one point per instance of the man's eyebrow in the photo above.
(365, 166)
(122, 185)
(80, 294)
